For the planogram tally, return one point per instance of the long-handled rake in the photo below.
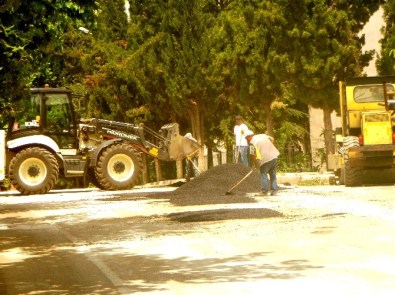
(238, 183)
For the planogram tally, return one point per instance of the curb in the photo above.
(306, 178)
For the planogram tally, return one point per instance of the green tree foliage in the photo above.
(29, 32)
(320, 46)
(112, 23)
(106, 66)
(206, 61)
(197, 62)
(180, 60)
(386, 62)
(245, 36)
(157, 68)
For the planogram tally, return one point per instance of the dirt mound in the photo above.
(210, 187)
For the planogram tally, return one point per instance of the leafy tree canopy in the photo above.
(198, 62)
(386, 61)
(28, 31)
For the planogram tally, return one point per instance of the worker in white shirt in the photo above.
(266, 156)
(241, 149)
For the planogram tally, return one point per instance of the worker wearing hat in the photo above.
(266, 155)
(241, 150)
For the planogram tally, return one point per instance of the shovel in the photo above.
(240, 181)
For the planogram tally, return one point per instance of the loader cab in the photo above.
(46, 111)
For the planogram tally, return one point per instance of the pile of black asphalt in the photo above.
(211, 186)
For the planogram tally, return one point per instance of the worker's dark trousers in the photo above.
(271, 169)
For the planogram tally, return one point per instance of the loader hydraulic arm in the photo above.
(166, 145)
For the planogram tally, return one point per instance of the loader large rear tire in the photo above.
(34, 171)
(119, 167)
(352, 175)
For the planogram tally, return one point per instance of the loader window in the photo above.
(27, 113)
(58, 113)
(370, 93)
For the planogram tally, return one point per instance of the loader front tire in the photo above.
(34, 170)
(352, 175)
(118, 167)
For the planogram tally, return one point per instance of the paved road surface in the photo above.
(305, 240)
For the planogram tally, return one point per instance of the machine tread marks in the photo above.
(352, 175)
(34, 170)
(118, 167)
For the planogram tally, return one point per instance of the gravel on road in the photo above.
(210, 187)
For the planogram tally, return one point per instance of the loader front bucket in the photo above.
(182, 147)
(176, 146)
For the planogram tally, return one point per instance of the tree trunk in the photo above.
(145, 168)
(307, 151)
(269, 118)
(210, 160)
(289, 148)
(158, 170)
(196, 118)
(328, 133)
(229, 153)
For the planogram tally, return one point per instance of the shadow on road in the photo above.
(155, 271)
(224, 214)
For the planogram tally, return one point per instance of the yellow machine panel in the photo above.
(377, 128)
(354, 119)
